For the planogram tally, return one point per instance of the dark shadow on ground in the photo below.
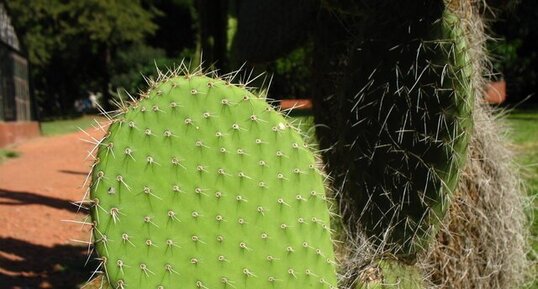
(73, 172)
(13, 198)
(25, 265)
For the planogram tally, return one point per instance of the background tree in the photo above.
(515, 58)
(71, 44)
(107, 25)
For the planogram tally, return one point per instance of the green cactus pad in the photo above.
(201, 184)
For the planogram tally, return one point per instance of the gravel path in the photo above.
(36, 191)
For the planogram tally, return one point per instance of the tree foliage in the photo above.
(515, 55)
(112, 22)
(71, 44)
(49, 26)
(133, 64)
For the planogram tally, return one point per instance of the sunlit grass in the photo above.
(58, 127)
(7, 154)
(524, 135)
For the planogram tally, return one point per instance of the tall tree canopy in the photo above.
(71, 43)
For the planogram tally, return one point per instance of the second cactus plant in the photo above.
(403, 119)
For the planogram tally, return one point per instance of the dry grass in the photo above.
(484, 240)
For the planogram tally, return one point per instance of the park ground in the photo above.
(40, 179)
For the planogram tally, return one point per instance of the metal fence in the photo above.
(15, 104)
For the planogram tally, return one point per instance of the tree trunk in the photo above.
(106, 56)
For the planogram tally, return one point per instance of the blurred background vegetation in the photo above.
(514, 54)
(99, 46)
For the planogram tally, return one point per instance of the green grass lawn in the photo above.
(7, 154)
(524, 134)
(306, 125)
(55, 127)
(58, 127)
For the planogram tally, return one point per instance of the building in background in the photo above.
(16, 121)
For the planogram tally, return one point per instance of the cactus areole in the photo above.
(201, 184)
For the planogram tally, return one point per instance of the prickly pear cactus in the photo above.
(399, 140)
(201, 184)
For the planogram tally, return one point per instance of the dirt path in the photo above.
(36, 191)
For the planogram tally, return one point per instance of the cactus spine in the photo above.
(201, 184)
(404, 116)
